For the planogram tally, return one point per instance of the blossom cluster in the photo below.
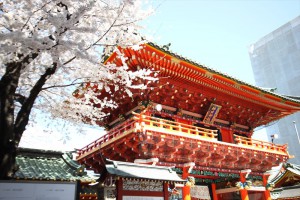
(71, 37)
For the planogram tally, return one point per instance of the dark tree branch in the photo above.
(10, 30)
(20, 98)
(70, 60)
(107, 31)
(71, 84)
(8, 85)
(61, 4)
(61, 86)
(24, 113)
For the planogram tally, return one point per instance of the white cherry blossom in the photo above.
(50, 48)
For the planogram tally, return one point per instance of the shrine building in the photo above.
(196, 120)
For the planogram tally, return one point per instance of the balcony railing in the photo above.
(126, 126)
(249, 142)
(143, 123)
(153, 123)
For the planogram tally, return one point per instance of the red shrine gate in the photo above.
(198, 120)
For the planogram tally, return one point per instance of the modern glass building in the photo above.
(275, 61)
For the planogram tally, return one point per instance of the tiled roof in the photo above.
(165, 49)
(142, 171)
(288, 174)
(286, 179)
(34, 164)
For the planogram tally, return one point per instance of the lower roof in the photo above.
(36, 164)
(142, 171)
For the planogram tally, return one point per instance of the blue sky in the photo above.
(218, 33)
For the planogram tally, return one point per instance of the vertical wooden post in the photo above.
(166, 192)
(213, 189)
(244, 192)
(186, 190)
(267, 193)
(119, 188)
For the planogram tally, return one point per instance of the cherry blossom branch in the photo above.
(34, 13)
(95, 43)
(61, 86)
(107, 31)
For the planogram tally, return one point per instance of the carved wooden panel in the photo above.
(142, 185)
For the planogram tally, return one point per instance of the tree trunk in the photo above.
(8, 86)
(12, 128)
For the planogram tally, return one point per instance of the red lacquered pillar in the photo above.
(214, 194)
(244, 192)
(267, 193)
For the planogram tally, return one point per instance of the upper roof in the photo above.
(227, 76)
(36, 164)
(142, 171)
(187, 85)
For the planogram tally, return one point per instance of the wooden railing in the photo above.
(244, 141)
(127, 125)
(141, 123)
(153, 123)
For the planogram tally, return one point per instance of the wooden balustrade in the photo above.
(168, 125)
(140, 122)
(259, 144)
(114, 132)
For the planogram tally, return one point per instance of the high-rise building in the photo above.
(275, 61)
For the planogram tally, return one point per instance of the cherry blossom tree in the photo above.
(49, 48)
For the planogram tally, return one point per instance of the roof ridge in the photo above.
(31, 152)
(116, 163)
